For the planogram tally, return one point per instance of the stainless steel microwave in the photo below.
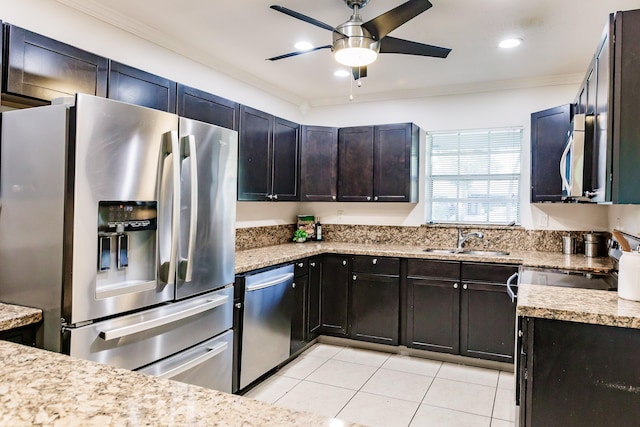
(577, 160)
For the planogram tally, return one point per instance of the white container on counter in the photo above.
(629, 276)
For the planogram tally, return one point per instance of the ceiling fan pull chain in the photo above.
(350, 89)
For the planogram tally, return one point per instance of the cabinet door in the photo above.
(314, 302)
(128, 84)
(335, 295)
(375, 308)
(355, 164)
(601, 158)
(433, 315)
(395, 163)
(548, 137)
(200, 105)
(318, 164)
(254, 154)
(298, 324)
(487, 322)
(286, 145)
(42, 68)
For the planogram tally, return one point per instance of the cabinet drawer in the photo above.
(301, 267)
(430, 268)
(482, 272)
(376, 265)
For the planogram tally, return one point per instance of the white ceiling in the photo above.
(236, 37)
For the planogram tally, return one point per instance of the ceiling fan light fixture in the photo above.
(355, 56)
(510, 43)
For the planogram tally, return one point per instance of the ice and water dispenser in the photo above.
(126, 243)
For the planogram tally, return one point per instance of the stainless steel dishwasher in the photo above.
(266, 322)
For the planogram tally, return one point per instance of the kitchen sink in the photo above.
(478, 252)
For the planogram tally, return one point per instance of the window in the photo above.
(474, 176)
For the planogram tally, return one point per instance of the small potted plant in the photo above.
(300, 236)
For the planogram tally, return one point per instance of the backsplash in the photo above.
(429, 236)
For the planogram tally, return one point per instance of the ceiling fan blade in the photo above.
(359, 72)
(288, 55)
(394, 45)
(383, 24)
(302, 17)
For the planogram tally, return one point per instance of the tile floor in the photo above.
(389, 390)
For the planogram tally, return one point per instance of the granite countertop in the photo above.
(252, 259)
(577, 305)
(43, 388)
(16, 316)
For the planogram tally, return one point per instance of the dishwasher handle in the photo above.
(261, 285)
(211, 353)
(510, 291)
(161, 321)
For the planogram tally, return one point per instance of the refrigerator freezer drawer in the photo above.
(142, 338)
(207, 365)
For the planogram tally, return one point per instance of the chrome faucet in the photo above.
(462, 238)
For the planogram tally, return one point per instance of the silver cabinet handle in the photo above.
(455, 286)
(301, 264)
(278, 280)
(464, 286)
(344, 262)
(185, 266)
(312, 264)
(211, 353)
(161, 321)
(238, 305)
(375, 261)
(355, 277)
(275, 197)
(368, 198)
(170, 207)
(375, 198)
(333, 197)
(293, 285)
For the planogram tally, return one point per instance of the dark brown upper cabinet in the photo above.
(203, 106)
(134, 86)
(378, 163)
(41, 69)
(548, 138)
(318, 164)
(268, 151)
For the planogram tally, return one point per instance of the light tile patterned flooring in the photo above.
(389, 390)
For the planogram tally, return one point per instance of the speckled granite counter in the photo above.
(577, 305)
(16, 316)
(252, 259)
(42, 388)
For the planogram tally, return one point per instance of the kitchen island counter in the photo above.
(16, 316)
(590, 306)
(252, 259)
(39, 387)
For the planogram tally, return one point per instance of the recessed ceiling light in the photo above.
(302, 46)
(509, 43)
(341, 73)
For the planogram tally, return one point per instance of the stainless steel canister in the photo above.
(592, 243)
(568, 245)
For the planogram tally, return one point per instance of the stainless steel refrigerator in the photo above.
(119, 222)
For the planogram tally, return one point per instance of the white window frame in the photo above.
(461, 177)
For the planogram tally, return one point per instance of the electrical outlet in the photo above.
(543, 220)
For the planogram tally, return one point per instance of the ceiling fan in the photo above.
(356, 43)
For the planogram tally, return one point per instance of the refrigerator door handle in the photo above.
(161, 321)
(211, 353)
(188, 146)
(167, 270)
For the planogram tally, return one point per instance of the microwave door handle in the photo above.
(188, 146)
(170, 206)
(563, 167)
(211, 353)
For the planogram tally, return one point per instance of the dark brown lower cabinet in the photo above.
(575, 374)
(375, 308)
(24, 335)
(335, 294)
(314, 300)
(299, 313)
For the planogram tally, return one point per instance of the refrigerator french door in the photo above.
(112, 210)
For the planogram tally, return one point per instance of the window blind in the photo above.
(473, 176)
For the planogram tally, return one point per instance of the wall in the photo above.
(490, 109)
